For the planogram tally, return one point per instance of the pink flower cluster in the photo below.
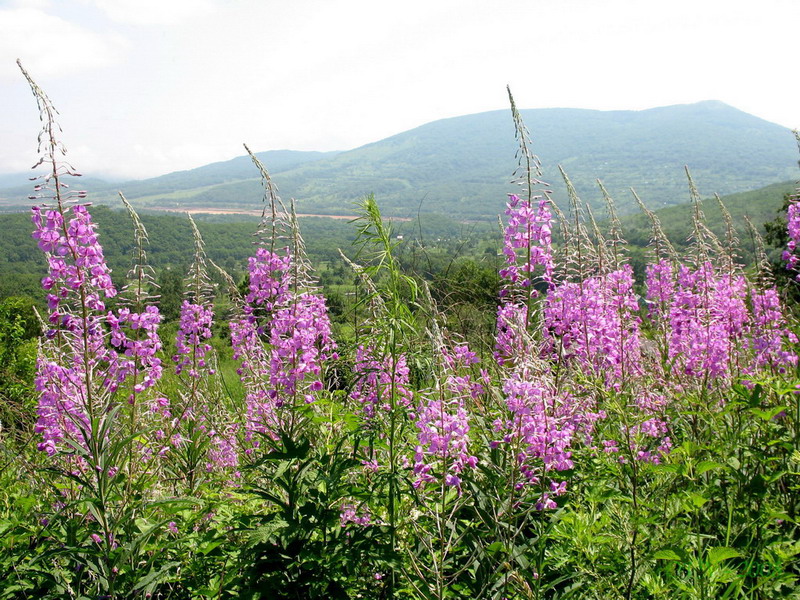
(443, 422)
(135, 337)
(223, 449)
(707, 319)
(768, 331)
(660, 288)
(300, 337)
(194, 328)
(527, 242)
(376, 377)
(648, 438)
(62, 413)
(349, 513)
(77, 280)
(297, 328)
(711, 326)
(545, 422)
(269, 281)
(443, 437)
(793, 229)
(253, 371)
(74, 256)
(594, 324)
(708, 324)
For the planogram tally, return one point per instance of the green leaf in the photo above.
(208, 546)
(697, 499)
(142, 524)
(153, 576)
(769, 413)
(663, 468)
(708, 465)
(667, 554)
(265, 532)
(495, 547)
(719, 553)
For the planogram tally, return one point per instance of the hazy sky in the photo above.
(146, 87)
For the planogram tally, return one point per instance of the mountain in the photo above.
(760, 206)
(13, 179)
(462, 165)
(234, 170)
(229, 171)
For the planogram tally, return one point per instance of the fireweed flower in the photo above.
(268, 286)
(199, 421)
(300, 336)
(768, 331)
(594, 324)
(134, 336)
(75, 259)
(253, 371)
(193, 330)
(62, 410)
(709, 323)
(527, 245)
(707, 320)
(790, 256)
(542, 424)
(349, 513)
(648, 437)
(442, 439)
(376, 377)
(77, 281)
(298, 330)
(442, 421)
(543, 419)
(270, 280)
(222, 451)
(660, 288)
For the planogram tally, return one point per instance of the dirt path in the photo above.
(254, 213)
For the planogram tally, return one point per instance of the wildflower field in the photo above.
(612, 438)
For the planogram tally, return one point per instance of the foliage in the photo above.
(591, 444)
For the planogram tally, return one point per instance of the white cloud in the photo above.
(191, 79)
(153, 12)
(37, 4)
(48, 45)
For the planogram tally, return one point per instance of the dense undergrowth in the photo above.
(600, 444)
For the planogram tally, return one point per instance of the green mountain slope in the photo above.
(234, 170)
(237, 169)
(462, 166)
(760, 206)
(229, 240)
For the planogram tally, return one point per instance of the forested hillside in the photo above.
(15, 187)
(461, 165)
(430, 245)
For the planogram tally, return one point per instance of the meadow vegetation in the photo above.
(534, 425)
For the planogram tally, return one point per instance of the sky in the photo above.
(146, 87)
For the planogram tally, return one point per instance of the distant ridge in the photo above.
(462, 165)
